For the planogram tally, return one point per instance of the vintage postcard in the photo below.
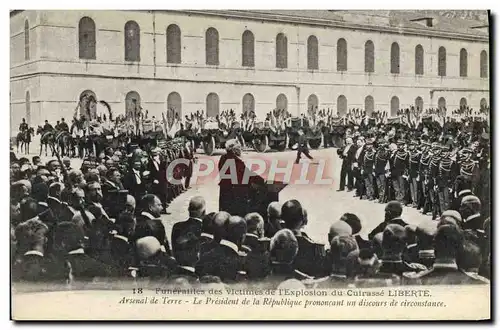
(250, 164)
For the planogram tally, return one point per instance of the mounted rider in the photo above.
(23, 126)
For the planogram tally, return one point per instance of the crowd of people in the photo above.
(102, 222)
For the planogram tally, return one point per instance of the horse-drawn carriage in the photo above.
(214, 135)
(265, 136)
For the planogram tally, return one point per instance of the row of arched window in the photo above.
(87, 46)
(174, 101)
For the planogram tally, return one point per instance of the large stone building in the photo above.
(217, 60)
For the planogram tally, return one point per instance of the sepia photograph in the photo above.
(250, 165)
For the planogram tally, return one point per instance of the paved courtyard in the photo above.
(323, 203)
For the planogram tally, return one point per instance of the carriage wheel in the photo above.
(315, 143)
(281, 145)
(209, 146)
(261, 145)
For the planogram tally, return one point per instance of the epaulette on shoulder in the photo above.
(477, 277)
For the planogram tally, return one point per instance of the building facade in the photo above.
(244, 60)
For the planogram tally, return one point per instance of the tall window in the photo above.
(281, 51)
(441, 103)
(463, 102)
(369, 56)
(26, 40)
(248, 47)
(312, 53)
(419, 103)
(484, 64)
(248, 103)
(442, 62)
(394, 57)
(419, 60)
(312, 102)
(174, 101)
(132, 41)
(132, 104)
(212, 105)
(282, 102)
(212, 47)
(341, 105)
(28, 107)
(484, 104)
(174, 49)
(86, 38)
(394, 105)
(463, 63)
(341, 55)
(369, 105)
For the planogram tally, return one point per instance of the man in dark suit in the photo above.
(149, 222)
(448, 241)
(225, 260)
(69, 241)
(273, 222)
(357, 166)
(393, 245)
(112, 182)
(134, 180)
(153, 263)
(283, 249)
(233, 197)
(347, 156)
(210, 230)
(186, 234)
(302, 146)
(257, 246)
(32, 265)
(311, 256)
(157, 167)
(470, 210)
(393, 212)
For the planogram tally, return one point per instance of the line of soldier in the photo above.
(425, 167)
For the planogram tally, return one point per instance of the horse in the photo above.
(46, 138)
(64, 141)
(24, 138)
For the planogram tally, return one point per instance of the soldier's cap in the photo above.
(471, 199)
(147, 247)
(396, 231)
(339, 228)
(452, 214)
(427, 228)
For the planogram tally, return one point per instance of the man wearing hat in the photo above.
(448, 170)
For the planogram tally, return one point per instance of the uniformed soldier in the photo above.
(447, 244)
(433, 178)
(399, 167)
(448, 170)
(381, 165)
(413, 171)
(367, 169)
(23, 126)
